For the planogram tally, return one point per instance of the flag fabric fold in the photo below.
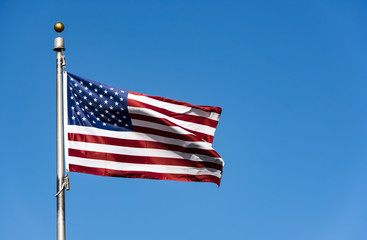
(110, 131)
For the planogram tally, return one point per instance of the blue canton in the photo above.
(97, 105)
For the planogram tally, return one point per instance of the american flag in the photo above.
(114, 132)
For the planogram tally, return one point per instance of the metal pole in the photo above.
(59, 47)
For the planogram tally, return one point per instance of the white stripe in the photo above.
(166, 128)
(143, 167)
(175, 107)
(188, 125)
(144, 152)
(138, 136)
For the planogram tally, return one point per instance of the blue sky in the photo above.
(289, 75)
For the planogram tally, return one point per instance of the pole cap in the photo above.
(59, 27)
(59, 44)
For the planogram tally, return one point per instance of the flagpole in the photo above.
(60, 184)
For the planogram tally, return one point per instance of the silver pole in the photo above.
(59, 47)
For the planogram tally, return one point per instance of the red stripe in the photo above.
(138, 144)
(146, 175)
(113, 157)
(187, 137)
(179, 116)
(166, 122)
(203, 108)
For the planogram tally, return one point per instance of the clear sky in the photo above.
(289, 75)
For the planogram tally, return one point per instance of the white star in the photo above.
(83, 109)
(96, 90)
(100, 106)
(126, 125)
(86, 88)
(86, 107)
(91, 113)
(111, 108)
(122, 109)
(113, 116)
(111, 97)
(107, 111)
(122, 91)
(81, 82)
(111, 88)
(78, 113)
(116, 93)
(94, 122)
(121, 99)
(97, 118)
(115, 124)
(85, 97)
(124, 116)
(80, 91)
(96, 109)
(102, 115)
(90, 94)
(116, 103)
(119, 120)
(84, 118)
(100, 86)
(90, 103)
(105, 91)
(75, 85)
(73, 117)
(88, 116)
(108, 119)
(77, 103)
(104, 124)
(100, 95)
(71, 97)
(90, 84)
(70, 88)
(117, 112)
(72, 108)
(95, 99)
(105, 101)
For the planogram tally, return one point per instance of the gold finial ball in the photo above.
(59, 27)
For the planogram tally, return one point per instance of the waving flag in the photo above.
(109, 131)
